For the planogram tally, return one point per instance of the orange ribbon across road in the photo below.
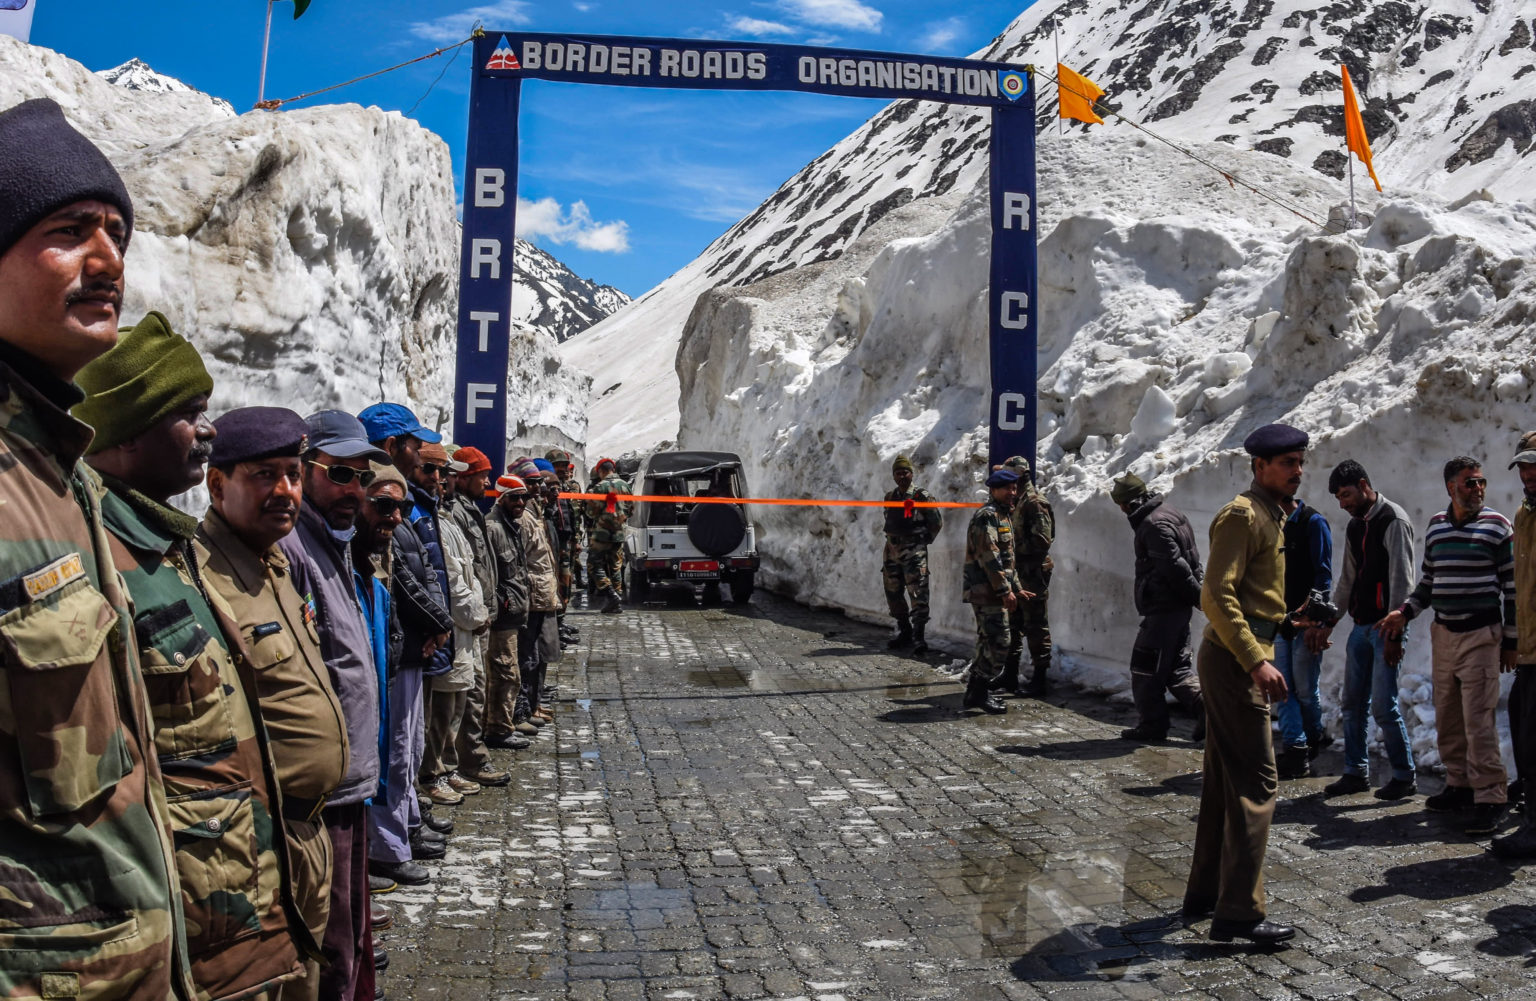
(611, 501)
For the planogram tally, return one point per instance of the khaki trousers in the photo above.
(1465, 677)
(1237, 796)
(502, 684)
(441, 756)
(310, 862)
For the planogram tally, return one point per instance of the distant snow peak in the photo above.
(548, 295)
(136, 74)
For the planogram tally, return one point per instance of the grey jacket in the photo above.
(322, 573)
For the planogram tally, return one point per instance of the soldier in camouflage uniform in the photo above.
(905, 567)
(606, 540)
(148, 398)
(565, 469)
(991, 588)
(1034, 529)
(90, 905)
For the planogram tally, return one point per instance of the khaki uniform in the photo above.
(300, 708)
(88, 903)
(1034, 530)
(219, 780)
(1243, 596)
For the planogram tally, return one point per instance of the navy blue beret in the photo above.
(1002, 477)
(1275, 439)
(258, 433)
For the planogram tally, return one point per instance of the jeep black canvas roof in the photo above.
(681, 463)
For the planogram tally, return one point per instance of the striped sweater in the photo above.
(1468, 576)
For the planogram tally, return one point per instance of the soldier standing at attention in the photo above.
(254, 485)
(1243, 598)
(148, 399)
(992, 588)
(1034, 529)
(605, 543)
(905, 571)
(90, 904)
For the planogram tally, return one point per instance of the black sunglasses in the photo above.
(343, 475)
(433, 468)
(387, 506)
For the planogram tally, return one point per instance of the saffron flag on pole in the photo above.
(1354, 127)
(1076, 95)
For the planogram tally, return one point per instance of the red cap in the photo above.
(474, 458)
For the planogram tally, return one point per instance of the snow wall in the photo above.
(312, 255)
(1177, 314)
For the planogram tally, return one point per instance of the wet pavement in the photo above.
(763, 802)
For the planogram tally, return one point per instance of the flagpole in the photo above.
(1061, 124)
(1354, 220)
(266, 40)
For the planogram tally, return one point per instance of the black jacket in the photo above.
(418, 597)
(1168, 570)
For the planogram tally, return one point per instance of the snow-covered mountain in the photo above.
(547, 295)
(136, 74)
(1442, 82)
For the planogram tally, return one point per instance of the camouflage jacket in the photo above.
(989, 574)
(219, 781)
(1034, 529)
(89, 905)
(924, 524)
(578, 516)
(608, 526)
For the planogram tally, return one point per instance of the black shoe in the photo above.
(509, 742)
(381, 884)
(441, 825)
(427, 834)
(985, 701)
(1293, 763)
(426, 851)
(405, 873)
(1146, 733)
(1038, 687)
(1397, 789)
(1262, 931)
(899, 642)
(1195, 910)
(1516, 796)
(1346, 785)
(1317, 744)
(1198, 733)
(919, 642)
(1453, 799)
(380, 960)
(613, 604)
(1486, 818)
(1519, 845)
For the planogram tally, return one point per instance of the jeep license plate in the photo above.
(698, 570)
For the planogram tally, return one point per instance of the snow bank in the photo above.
(1176, 315)
(312, 255)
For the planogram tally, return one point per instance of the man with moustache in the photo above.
(148, 398)
(336, 474)
(83, 821)
(255, 490)
(1243, 597)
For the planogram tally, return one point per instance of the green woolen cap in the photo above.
(150, 373)
(1127, 488)
(902, 462)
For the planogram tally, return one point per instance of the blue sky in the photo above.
(627, 185)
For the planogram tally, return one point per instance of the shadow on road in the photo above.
(1516, 938)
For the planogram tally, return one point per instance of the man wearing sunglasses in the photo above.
(335, 478)
(1468, 578)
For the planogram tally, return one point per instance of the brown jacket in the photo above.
(1525, 582)
(543, 581)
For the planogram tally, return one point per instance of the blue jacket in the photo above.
(373, 595)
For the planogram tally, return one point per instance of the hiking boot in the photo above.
(1038, 686)
(613, 604)
(488, 776)
(1519, 845)
(919, 644)
(1294, 763)
(978, 696)
(1486, 818)
(1346, 785)
(1453, 799)
(1146, 733)
(1397, 789)
(903, 637)
(442, 793)
(468, 787)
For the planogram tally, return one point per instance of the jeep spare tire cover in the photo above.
(716, 529)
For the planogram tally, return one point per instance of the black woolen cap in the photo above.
(45, 164)
(1275, 439)
(258, 433)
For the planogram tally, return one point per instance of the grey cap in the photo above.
(1525, 451)
(338, 433)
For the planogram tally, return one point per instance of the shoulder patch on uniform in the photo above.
(45, 580)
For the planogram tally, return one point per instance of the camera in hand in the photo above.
(1319, 609)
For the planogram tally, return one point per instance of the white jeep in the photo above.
(685, 542)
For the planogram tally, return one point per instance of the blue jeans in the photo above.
(1369, 680)
(1301, 714)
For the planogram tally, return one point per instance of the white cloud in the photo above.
(545, 219)
(456, 27)
(834, 13)
(940, 35)
(757, 27)
(585, 8)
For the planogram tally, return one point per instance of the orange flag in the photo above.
(1354, 127)
(1077, 95)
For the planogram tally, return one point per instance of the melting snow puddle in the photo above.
(1445, 966)
(885, 943)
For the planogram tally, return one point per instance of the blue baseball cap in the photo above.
(544, 465)
(391, 420)
(338, 433)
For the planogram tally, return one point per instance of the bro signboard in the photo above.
(504, 59)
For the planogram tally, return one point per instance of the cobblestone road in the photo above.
(762, 802)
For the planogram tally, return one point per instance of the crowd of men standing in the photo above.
(220, 737)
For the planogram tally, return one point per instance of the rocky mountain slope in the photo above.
(549, 296)
(1442, 81)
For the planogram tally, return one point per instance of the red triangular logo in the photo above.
(503, 58)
